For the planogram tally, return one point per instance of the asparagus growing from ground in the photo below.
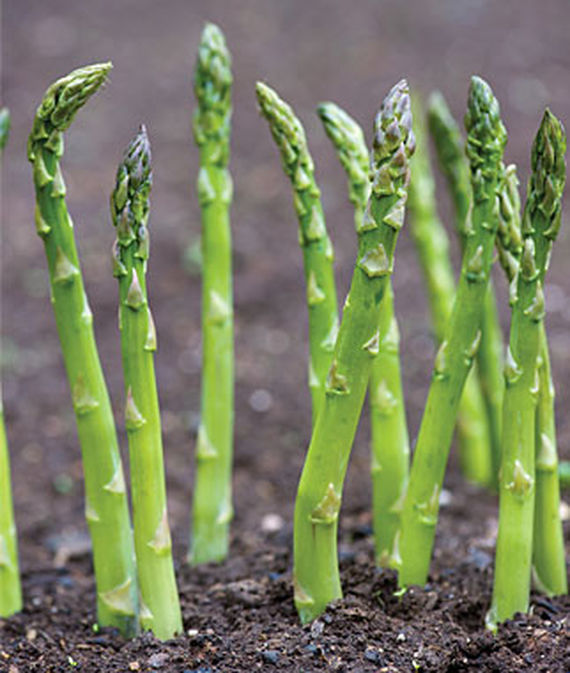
(541, 222)
(10, 587)
(212, 506)
(432, 246)
(106, 500)
(389, 441)
(485, 143)
(159, 607)
(549, 566)
(315, 571)
(449, 149)
(317, 248)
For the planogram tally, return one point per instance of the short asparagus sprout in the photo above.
(212, 505)
(541, 222)
(106, 508)
(316, 576)
(432, 247)
(317, 248)
(485, 144)
(448, 143)
(10, 587)
(389, 442)
(159, 606)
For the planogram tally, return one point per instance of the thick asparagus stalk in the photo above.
(485, 143)
(106, 500)
(389, 442)
(212, 506)
(315, 569)
(432, 247)
(317, 248)
(541, 223)
(549, 567)
(10, 587)
(159, 607)
(449, 149)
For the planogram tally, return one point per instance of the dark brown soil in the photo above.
(239, 616)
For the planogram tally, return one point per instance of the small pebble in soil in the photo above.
(317, 627)
(158, 660)
(271, 523)
(372, 655)
(270, 656)
(261, 400)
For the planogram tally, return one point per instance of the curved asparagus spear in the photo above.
(485, 143)
(10, 587)
(389, 441)
(449, 149)
(317, 505)
(159, 608)
(317, 248)
(212, 506)
(106, 500)
(432, 246)
(541, 223)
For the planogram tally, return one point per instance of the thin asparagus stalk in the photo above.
(485, 143)
(159, 607)
(432, 247)
(317, 248)
(541, 223)
(389, 442)
(315, 571)
(212, 506)
(106, 508)
(549, 567)
(564, 473)
(449, 149)
(10, 587)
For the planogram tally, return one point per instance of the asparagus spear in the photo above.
(159, 607)
(432, 247)
(317, 505)
(106, 500)
(541, 222)
(389, 442)
(449, 149)
(549, 567)
(212, 508)
(10, 588)
(317, 248)
(485, 143)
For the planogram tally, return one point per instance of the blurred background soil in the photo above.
(350, 53)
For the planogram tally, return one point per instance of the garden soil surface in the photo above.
(239, 615)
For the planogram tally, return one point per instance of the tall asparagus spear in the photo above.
(159, 607)
(541, 223)
(549, 565)
(432, 247)
(317, 248)
(485, 143)
(449, 148)
(106, 500)
(317, 505)
(212, 507)
(390, 444)
(10, 587)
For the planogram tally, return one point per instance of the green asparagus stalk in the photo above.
(159, 607)
(564, 473)
(212, 507)
(10, 587)
(317, 248)
(316, 575)
(106, 499)
(449, 149)
(485, 143)
(541, 223)
(549, 567)
(389, 441)
(432, 247)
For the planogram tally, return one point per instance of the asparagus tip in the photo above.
(486, 134)
(213, 74)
